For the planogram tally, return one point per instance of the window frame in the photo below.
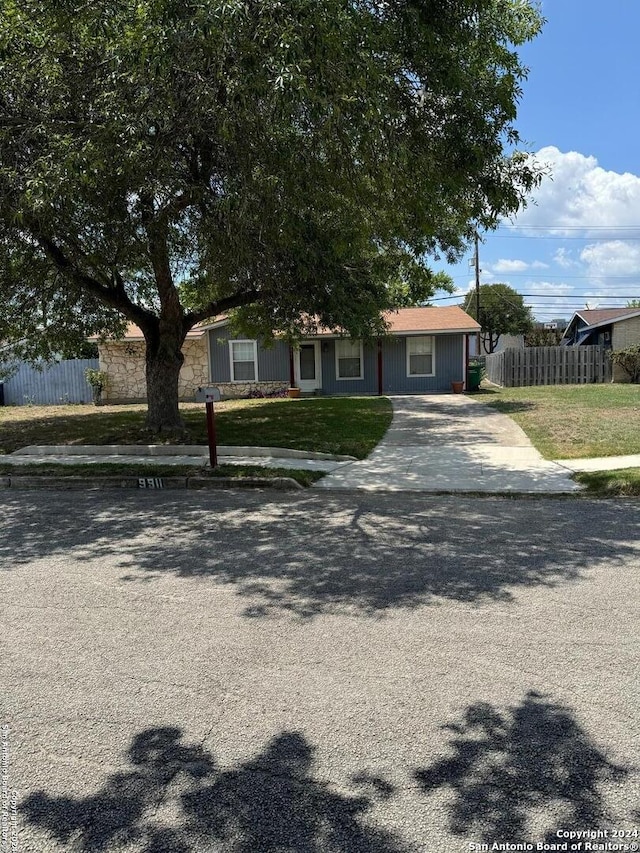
(409, 354)
(231, 360)
(337, 361)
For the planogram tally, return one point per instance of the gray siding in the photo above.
(331, 385)
(273, 363)
(449, 352)
(54, 384)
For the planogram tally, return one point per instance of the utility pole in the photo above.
(477, 266)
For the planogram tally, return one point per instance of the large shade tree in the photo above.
(502, 312)
(162, 162)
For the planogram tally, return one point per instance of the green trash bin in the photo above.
(474, 377)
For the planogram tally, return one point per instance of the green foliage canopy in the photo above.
(162, 162)
(502, 312)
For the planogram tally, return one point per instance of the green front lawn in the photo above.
(623, 483)
(573, 421)
(342, 425)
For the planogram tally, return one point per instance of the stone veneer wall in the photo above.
(123, 362)
(236, 390)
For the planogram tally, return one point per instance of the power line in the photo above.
(563, 237)
(573, 296)
(568, 228)
(544, 275)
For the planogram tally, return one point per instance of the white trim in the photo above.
(468, 330)
(255, 359)
(308, 384)
(433, 359)
(337, 362)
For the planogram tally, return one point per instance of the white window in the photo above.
(349, 361)
(244, 361)
(420, 356)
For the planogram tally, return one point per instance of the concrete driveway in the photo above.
(452, 442)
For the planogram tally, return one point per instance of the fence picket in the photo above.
(549, 366)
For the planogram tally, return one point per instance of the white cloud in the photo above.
(563, 258)
(514, 265)
(504, 265)
(553, 288)
(612, 257)
(580, 193)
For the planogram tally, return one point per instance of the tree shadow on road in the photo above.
(322, 553)
(270, 804)
(520, 776)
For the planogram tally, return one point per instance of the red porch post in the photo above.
(379, 367)
(292, 374)
(466, 361)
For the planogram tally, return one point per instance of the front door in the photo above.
(308, 368)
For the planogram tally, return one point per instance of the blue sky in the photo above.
(580, 114)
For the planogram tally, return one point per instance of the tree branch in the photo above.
(221, 305)
(112, 297)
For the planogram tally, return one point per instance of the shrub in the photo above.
(629, 361)
(98, 381)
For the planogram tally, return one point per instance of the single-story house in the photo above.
(615, 328)
(425, 350)
(612, 328)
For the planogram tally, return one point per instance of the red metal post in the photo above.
(292, 375)
(466, 360)
(379, 368)
(211, 434)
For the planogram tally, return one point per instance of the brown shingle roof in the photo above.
(406, 320)
(134, 333)
(445, 319)
(423, 320)
(593, 316)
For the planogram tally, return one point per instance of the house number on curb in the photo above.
(150, 483)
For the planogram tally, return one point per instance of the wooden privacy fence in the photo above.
(549, 366)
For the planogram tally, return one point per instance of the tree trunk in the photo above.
(164, 359)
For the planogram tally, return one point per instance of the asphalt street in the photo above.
(330, 672)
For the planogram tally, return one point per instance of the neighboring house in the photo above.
(612, 328)
(425, 350)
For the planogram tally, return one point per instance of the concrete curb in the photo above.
(173, 450)
(147, 483)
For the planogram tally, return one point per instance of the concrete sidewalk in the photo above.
(601, 463)
(452, 443)
(164, 454)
